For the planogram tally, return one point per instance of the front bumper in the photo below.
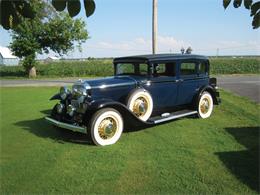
(66, 125)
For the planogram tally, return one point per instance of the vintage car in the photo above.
(145, 89)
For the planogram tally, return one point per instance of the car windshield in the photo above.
(131, 69)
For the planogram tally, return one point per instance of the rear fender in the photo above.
(209, 89)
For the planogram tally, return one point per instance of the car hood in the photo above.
(108, 82)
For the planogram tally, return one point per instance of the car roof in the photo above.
(159, 57)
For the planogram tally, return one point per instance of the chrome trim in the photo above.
(174, 117)
(104, 86)
(65, 125)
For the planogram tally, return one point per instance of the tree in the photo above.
(248, 4)
(48, 31)
(12, 10)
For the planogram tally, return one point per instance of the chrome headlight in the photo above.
(60, 108)
(64, 91)
(79, 90)
(70, 110)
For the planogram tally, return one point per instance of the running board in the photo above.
(171, 116)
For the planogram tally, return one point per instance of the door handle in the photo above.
(179, 80)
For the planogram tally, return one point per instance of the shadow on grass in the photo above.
(41, 128)
(244, 164)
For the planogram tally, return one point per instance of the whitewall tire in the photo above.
(205, 105)
(140, 103)
(106, 127)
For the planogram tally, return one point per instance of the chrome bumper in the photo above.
(65, 125)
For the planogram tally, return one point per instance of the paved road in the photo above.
(36, 82)
(248, 86)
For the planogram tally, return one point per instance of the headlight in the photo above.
(79, 90)
(70, 110)
(64, 91)
(60, 108)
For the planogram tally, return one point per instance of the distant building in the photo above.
(51, 59)
(7, 58)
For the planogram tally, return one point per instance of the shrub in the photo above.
(101, 68)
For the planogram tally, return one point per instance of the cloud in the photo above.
(140, 44)
(166, 44)
(170, 43)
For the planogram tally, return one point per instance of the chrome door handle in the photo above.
(179, 80)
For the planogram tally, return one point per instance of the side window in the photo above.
(143, 69)
(125, 68)
(167, 69)
(188, 68)
(160, 69)
(203, 69)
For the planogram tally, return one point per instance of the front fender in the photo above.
(129, 117)
(56, 97)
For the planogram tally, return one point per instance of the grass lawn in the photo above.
(216, 155)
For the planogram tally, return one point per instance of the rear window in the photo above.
(203, 68)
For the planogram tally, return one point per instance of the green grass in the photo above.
(216, 155)
(94, 68)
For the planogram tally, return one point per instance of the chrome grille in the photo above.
(75, 103)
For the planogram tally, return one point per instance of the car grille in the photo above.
(75, 103)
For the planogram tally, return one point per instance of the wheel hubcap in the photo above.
(107, 128)
(204, 106)
(140, 107)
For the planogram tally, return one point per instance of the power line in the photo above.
(166, 51)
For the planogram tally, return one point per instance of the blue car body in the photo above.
(176, 86)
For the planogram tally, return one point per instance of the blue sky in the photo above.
(123, 27)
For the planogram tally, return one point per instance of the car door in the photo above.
(162, 86)
(203, 73)
(188, 83)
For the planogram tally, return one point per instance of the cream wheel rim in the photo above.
(107, 128)
(140, 106)
(205, 105)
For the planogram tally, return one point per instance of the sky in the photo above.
(124, 27)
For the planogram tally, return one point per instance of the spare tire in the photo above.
(140, 103)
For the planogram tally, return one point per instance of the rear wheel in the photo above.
(106, 127)
(205, 105)
(141, 104)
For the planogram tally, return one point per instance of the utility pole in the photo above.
(154, 41)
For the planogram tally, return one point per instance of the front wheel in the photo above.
(106, 127)
(205, 105)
